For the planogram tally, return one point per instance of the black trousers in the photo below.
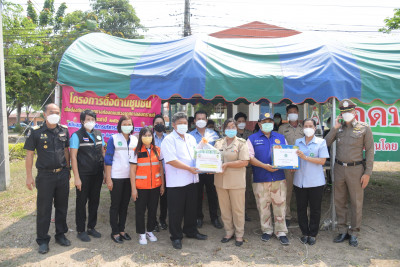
(147, 198)
(90, 193)
(163, 206)
(120, 197)
(182, 206)
(311, 197)
(207, 180)
(51, 187)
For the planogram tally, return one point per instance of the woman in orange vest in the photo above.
(147, 182)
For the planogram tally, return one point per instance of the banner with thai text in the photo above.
(385, 124)
(108, 109)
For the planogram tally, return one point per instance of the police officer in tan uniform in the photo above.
(292, 131)
(352, 171)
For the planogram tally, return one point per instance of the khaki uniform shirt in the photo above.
(245, 135)
(350, 143)
(291, 133)
(232, 178)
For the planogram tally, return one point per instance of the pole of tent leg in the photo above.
(333, 156)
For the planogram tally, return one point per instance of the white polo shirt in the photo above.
(175, 147)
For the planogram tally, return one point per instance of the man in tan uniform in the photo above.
(292, 131)
(352, 171)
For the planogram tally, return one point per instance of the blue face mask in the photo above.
(230, 133)
(267, 127)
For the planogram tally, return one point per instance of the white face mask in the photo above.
(127, 129)
(309, 132)
(201, 123)
(89, 125)
(53, 118)
(242, 125)
(181, 128)
(348, 116)
(293, 116)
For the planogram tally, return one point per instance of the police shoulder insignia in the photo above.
(277, 141)
(35, 127)
(219, 139)
(64, 126)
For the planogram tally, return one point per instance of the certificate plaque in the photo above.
(208, 160)
(285, 157)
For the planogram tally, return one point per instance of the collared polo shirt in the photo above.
(311, 174)
(173, 148)
(158, 140)
(211, 136)
(74, 141)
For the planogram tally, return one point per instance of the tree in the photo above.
(46, 15)
(117, 17)
(392, 23)
(32, 13)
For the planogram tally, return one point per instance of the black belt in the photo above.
(351, 164)
(51, 170)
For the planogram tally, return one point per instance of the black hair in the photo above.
(87, 112)
(292, 106)
(123, 118)
(209, 122)
(240, 115)
(229, 121)
(200, 112)
(278, 115)
(190, 120)
(142, 132)
(158, 116)
(309, 119)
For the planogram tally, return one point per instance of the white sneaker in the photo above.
(142, 239)
(151, 236)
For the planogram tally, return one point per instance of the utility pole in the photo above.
(4, 157)
(186, 21)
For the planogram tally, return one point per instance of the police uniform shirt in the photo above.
(291, 133)
(245, 135)
(50, 145)
(232, 178)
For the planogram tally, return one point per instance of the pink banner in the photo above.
(108, 109)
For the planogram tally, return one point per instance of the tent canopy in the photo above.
(294, 68)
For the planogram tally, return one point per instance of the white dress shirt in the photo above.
(173, 148)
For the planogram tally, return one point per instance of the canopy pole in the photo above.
(57, 95)
(333, 156)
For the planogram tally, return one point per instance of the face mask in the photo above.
(201, 123)
(230, 133)
(242, 125)
(293, 116)
(277, 121)
(53, 118)
(89, 125)
(348, 116)
(147, 140)
(159, 128)
(309, 132)
(127, 129)
(267, 127)
(181, 128)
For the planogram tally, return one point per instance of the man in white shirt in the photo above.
(177, 149)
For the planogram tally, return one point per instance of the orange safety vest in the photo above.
(148, 169)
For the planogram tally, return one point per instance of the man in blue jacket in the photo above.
(269, 185)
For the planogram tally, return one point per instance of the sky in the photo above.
(164, 18)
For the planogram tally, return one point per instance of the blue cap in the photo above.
(266, 116)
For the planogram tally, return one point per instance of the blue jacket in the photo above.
(263, 152)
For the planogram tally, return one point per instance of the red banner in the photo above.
(108, 109)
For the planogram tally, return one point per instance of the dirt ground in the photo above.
(379, 238)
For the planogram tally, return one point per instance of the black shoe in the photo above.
(125, 236)
(284, 240)
(198, 236)
(340, 238)
(311, 240)
(353, 241)
(43, 248)
(226, 240)
(247, 218)
(177, 244)
(164, 225)
(304, 239)
(157, 228)
(287, 223)
(199, 223)
(265, 237)
(238, 243)
(93, 233)
(217, 224)
(63, 241)
(118, 239)
(83, 236)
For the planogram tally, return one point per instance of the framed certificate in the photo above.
(208, 160)
(285, 157)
